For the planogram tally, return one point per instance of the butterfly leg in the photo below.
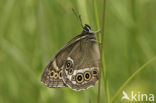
(96, 41)
(96, 32)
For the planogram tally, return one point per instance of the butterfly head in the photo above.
(86, 28)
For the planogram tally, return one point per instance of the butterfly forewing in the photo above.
(52, 74)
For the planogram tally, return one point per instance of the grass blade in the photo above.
(131, 77)
(101, 39)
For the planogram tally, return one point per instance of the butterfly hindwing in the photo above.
(82, 64)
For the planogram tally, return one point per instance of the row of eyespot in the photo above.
(55, 75)
(80, 77)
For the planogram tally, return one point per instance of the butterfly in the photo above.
(76, 65)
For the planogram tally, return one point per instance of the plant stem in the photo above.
(102, 66)
(130, 78)
(97, 18)
(99, 38)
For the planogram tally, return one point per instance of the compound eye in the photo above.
(87, 28)
(87, 75)
(68, 64)
(79, 78)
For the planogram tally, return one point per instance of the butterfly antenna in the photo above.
(78, 17)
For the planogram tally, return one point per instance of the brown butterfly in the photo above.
(76, 65)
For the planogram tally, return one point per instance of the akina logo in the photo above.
(137, 96)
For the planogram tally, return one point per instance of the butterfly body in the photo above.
(76, 65)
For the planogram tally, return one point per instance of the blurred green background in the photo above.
(32, 31)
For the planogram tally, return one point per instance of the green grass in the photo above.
(32, 31)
